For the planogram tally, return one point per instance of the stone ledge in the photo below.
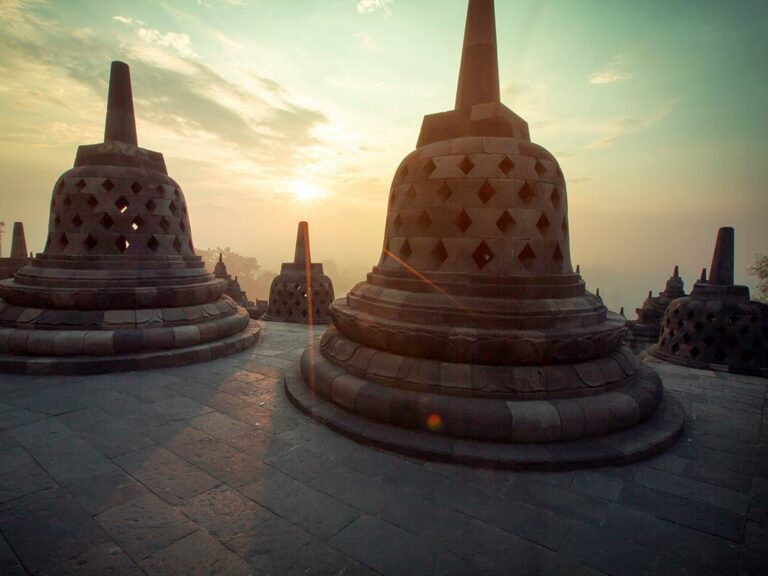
(652, 436)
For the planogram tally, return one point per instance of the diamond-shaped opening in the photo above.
(57, 220)
(466, 165)
(506, 165)
(107, 221)
(526, 193)
(107, 184)
(463, 221)
(720, 355)
(695, 352)
(90, 242)
(411, 193)
(398, 222)
(137, 223)
(439, 252)
(708, 340)
(150, 205)
(177, 245)
(182, 226)
(486, 192)
(160, 190)
(555, 197)
(482, 255)
(173, 208)
(122, 204)
(424, 221)
(505, 221)
(67, 201)
(543, 224)
(60, 186)
(63, 242)
(164, 224)
(81, 184)
(687, 338)
(558, 255)
(92, 201)
(526, 254)
(429, 167)
(404, 172)
(77, 221)
(698, 326)
(540, 168)
(122, 243)
(176, 193)
(406, 250)
(153, 244)
(136, 187)
(184, 209)
(444, 192)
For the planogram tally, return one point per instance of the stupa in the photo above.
(301, 293)
(19, 256)
(644, 332)
(118, 286)
(473, 340)
(717, 327)
(233, 289)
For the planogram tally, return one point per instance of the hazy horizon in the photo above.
(271, 112)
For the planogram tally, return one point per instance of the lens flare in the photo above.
(434, 422)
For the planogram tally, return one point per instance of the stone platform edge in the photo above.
(642, 441)
(86, 365)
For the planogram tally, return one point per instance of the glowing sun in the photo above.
(306, 192)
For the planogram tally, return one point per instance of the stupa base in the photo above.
(146, 360)
(656, 354)
(645, 439)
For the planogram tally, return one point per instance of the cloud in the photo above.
(366, 41)
(608, 77)
(181, 43)
(128, 20)
(612, 74)
(368, 6)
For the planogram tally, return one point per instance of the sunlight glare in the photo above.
(306, 192)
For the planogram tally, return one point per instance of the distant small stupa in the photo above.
(233, 289)
(19, 257)
(644, 331)
(717, 327)
(301, 293)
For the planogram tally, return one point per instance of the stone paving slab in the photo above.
(210, 469)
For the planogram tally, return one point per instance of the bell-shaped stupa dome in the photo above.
(473, 336)
(118, 285)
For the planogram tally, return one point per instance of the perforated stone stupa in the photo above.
(118, 286)
(644, 332)
(19, 257)
(472, 339)
(717, 327)
(301, 293)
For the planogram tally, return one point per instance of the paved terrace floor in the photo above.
(209, 469)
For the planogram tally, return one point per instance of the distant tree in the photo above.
(246, 268)
(760, 270)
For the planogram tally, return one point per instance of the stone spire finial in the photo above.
(479, 73)
(302, 254)
(721, 270)
(703, 277)
(121, 122)
(18, 242)
(676, 273)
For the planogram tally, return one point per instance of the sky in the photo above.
(273, 111)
